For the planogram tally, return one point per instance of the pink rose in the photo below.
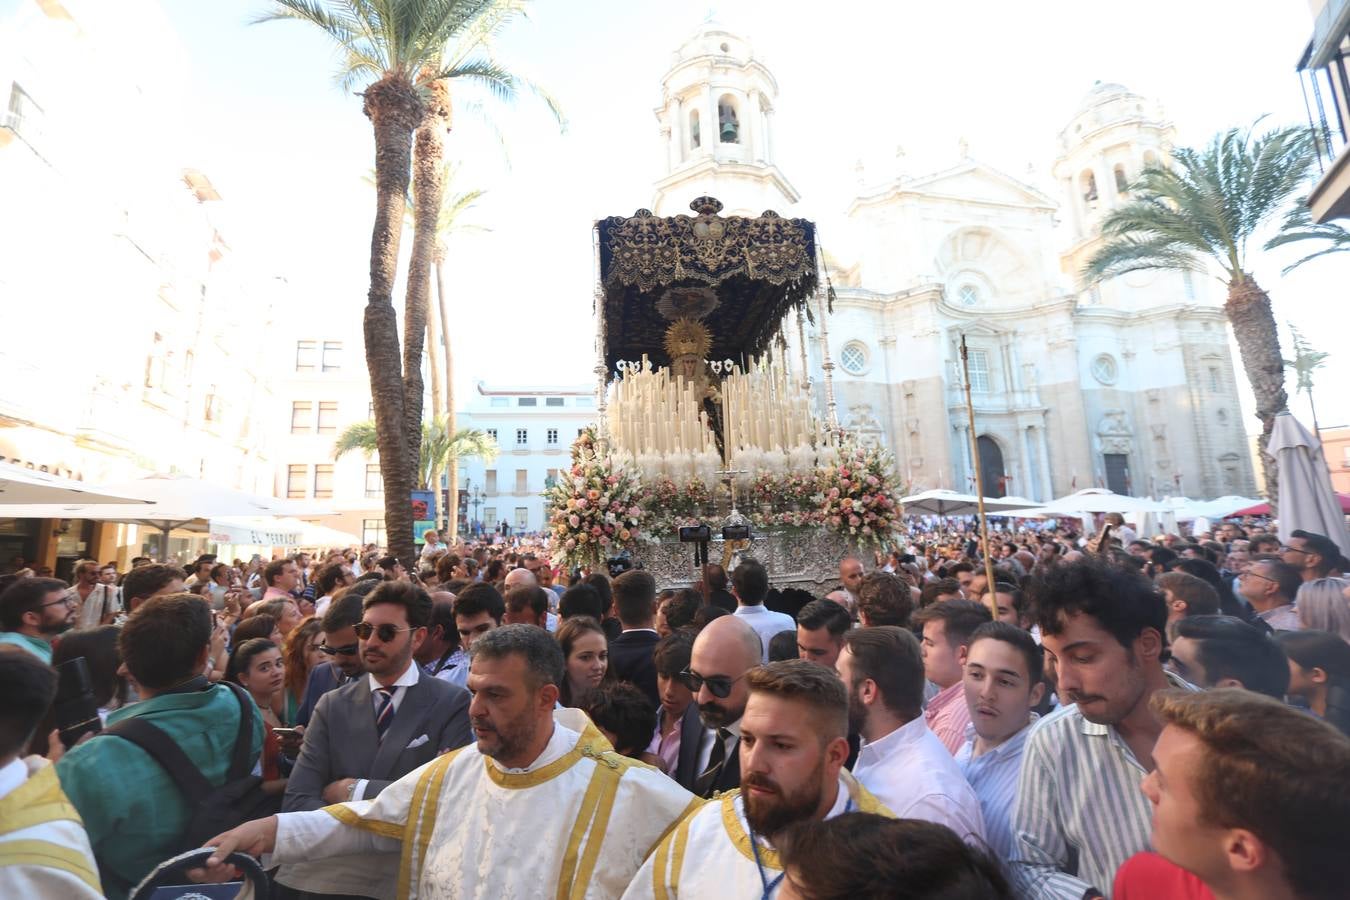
(834, 493)
(571, 544)
(597, 530)
(574, 521)
(844, 472)
(581, 503)
(634, 511)
(854, 521)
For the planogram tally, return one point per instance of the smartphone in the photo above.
(284, 732)
(75, 711)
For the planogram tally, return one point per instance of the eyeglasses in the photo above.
(348, 650)
(385, 631)
(718, 685)
(61, 601)
(1257, 575)
(1293, 550)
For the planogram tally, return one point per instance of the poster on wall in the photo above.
(423, 513)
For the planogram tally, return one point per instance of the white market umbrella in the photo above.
(941, 502)
(1098, 500)
(20, 486)
(1307, 501)
(173, 502)
(284, 532)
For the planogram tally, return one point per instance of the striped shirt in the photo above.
(1079, 813)
(993, 775)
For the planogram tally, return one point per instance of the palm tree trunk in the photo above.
(394, 110)
(1249, 312)
(433, 366)
(452, 483)
(427, 155)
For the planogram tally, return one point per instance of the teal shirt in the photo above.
(132, 811)
(35, 645)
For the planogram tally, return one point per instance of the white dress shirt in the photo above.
(993, 775)
(766, 623)
(409, 677)
(915, 777)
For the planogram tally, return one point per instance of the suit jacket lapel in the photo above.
(691, 741)
(364, 738)
(406, 727)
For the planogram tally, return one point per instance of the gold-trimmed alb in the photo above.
(49, 855)
(591, 740)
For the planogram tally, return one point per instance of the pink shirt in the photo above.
(667, 749)
(948, 716)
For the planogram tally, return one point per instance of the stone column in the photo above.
(1043, 462)
(750, 125)
(676, 132)
(1026, 464)
(708, 127)
(967, 470)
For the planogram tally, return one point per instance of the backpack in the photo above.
(211, 810)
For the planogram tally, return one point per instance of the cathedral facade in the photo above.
(1129, 385)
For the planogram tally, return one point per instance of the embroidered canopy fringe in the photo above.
(758, 269)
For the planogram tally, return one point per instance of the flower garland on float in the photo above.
(595, 507)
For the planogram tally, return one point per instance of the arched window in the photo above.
(728, 124)
(1122, 183)
(1088, 182)
(693, 130)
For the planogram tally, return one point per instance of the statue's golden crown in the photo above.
(686, 337)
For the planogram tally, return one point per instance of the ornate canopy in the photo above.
(739, 276)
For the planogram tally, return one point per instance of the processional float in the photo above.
(706, 428)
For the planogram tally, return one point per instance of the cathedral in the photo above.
(1128, 386)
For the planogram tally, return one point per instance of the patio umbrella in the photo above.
(941, 502)
(1307, 501)
(172, 502)
(1096, 500)
(1263, 509)
(24, 486)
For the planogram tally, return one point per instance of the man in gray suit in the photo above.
(370, 732)
(373, 730)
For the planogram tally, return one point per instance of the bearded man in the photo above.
(792, 751)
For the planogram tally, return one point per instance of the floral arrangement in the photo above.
(670, 504)
(595, 508)
(858, 494)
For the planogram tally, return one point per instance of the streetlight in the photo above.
(476, 498)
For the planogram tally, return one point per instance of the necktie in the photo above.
(717, 759)
(385, 714)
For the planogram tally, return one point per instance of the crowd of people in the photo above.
(1111, 717)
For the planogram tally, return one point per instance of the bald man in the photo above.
(723, 652)
(525, 578)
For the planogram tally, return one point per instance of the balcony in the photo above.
(1326, 87)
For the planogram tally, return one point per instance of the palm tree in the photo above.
(438, 447)
(450, 221)
(1299, 226)
(1202, 210)
(1306, 361)
(403, 52)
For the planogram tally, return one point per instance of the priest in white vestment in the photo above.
(541, 806)
(792, 752)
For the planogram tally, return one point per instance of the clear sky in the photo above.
(288, 150)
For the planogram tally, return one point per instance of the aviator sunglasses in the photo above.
(385, 631)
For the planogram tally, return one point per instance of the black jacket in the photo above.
(630, 656)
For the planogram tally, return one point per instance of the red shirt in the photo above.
(1147, 876)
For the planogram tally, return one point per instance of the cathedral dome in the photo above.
(713, 38)
(1101, 90)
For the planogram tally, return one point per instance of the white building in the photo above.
(132, 325)
(1130, 386)
(534, 427)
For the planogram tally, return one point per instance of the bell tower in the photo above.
(716, 125)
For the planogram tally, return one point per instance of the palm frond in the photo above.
(1207, 203)
(357, 436)
(1299, 226)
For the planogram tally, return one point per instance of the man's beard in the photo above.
(715, 715)
(513, 737)
(1110, 710)
(60, 627)
(857, 712)
(768, 815)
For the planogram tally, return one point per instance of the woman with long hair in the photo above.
(1319, 673)
(301, 654)
(257, 667)
(98, 646)
(586, 650)
(1322, 606)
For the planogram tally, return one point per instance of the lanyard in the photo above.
(770, 886)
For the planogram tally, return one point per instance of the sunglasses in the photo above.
(348, 650)
(718, 685)
(386, 631)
